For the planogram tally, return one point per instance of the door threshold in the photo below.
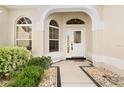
(76, 58)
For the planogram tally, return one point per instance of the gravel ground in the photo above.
(3, 83)
(50, 78)
(105, 77)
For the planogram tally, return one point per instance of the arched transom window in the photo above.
(75, 21)
(53, 36)
(24, 33)
(24, 20)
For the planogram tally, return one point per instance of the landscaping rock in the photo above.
(105, 77)
(3, 83)
(50, 78)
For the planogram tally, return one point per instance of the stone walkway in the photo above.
(72, 75)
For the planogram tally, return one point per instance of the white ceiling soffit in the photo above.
(21, 6)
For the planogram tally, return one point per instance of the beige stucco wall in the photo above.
(105, 42)
(4, 26)
(109, 41)
(37, 36)
(35, 14)
(114, 31)
(108, 44)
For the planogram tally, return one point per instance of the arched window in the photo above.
(24, 33)
(53, 36)
(24, 20)
(54, 23)
(75, 21)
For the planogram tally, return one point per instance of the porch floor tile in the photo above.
(72, 75)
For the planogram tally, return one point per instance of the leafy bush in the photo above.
(28, 77)
(12, 59)
(43, 61)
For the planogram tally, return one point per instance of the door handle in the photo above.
(71, 46)
(68, 46)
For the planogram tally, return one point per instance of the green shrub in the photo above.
(12, 59)
(43, 61)
(28, 77)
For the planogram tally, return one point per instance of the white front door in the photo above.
(75, 43)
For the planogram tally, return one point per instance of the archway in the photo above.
(96, 23)
(90, 10)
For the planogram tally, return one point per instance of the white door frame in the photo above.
(78, 28)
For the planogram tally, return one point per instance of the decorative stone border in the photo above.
(51, 77)
(58, 77)
(94, 81)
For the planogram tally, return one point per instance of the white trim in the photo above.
(89, 56)
(54, 26)
(23, 39)
(15, 33)
(76, 26)
(54, 39)
(109, 60)
(57, 60)
(23, 24)
(55, 56)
